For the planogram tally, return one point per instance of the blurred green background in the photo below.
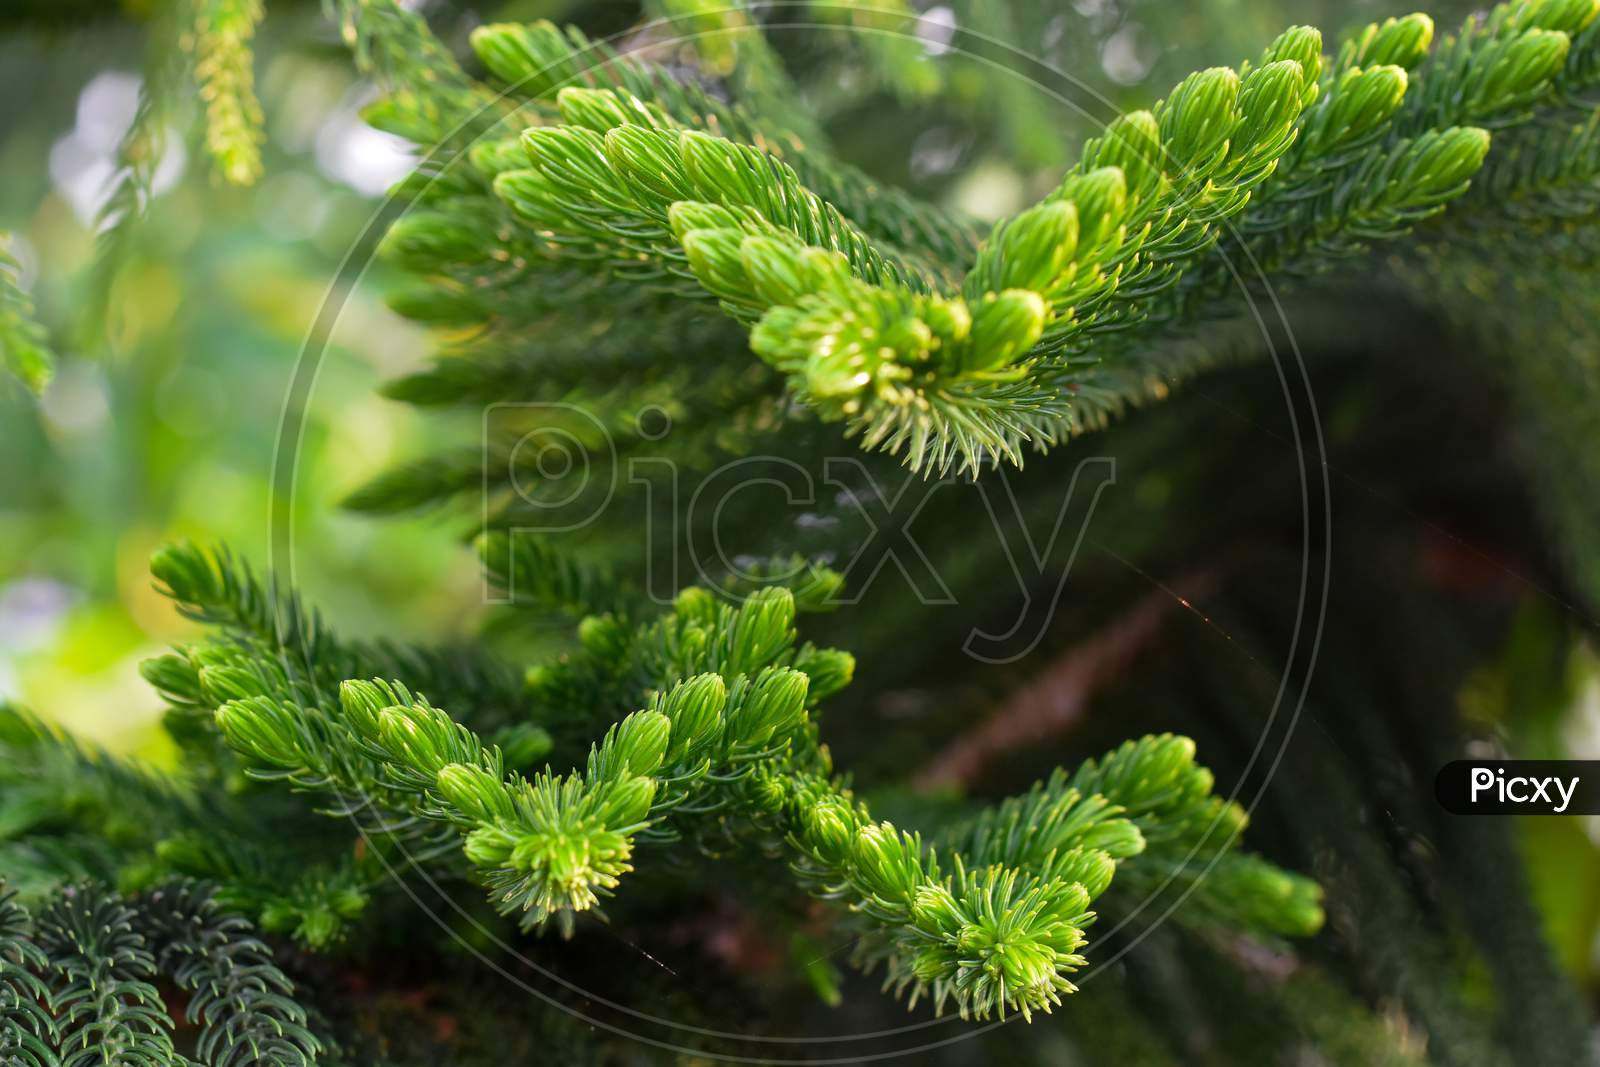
(166, 427)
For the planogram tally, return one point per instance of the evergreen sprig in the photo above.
(52, 783)
(953, 353)
(77, 982)
(1399, 132)
(539, 60)
(725, 748)
(270, 642)
(71, 813)
(241, 1000)
(27, 1029)
(107, 1010)
(865, 338)
(1278, 169)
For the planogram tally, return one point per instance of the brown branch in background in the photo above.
(1055, 699)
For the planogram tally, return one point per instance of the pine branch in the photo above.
(620, 666)
(27, 1030)
(1185, 837)
(993, 939)
(873, 341)
(1496, 70)
(1313, 165)
(382, 748)
(554, 845)
(532, 574)
(213, 589)
(38, 865)
(242, 1002)
(858, 333)
(539, 60)
(433, 98)
(71, 813)
(139, 151)
(815, 588)
(1576, 83)
(293, 891)
(107, 1010)
(425, 483)
(1396, 137)
(605, 182)
(636, 340)
(207, 43)
(1535, 202)
(279, 646)
(726, 746)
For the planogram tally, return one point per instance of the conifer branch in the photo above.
(139, 151)
(71, 813)
(242, 1002)
(107, 1010)
(27, 1029)
(303, 660)
(535, 575)
(560, 357)
(1193, 837)
(539, 60)
(51, 781)
(934, 375)
(1305, 160)
(76, 985)
(1399, 134)
(290, 891)
(726, 743)
(432, 100)
(611, 188)
(1535, 201)
(991, 938)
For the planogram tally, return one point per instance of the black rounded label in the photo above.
(1519, 787)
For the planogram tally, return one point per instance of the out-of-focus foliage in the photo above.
(168, 420)
(22, 340)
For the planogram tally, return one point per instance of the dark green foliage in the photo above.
(79, 982)
(240, 999)
(107, 1010)
(27, 1028)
